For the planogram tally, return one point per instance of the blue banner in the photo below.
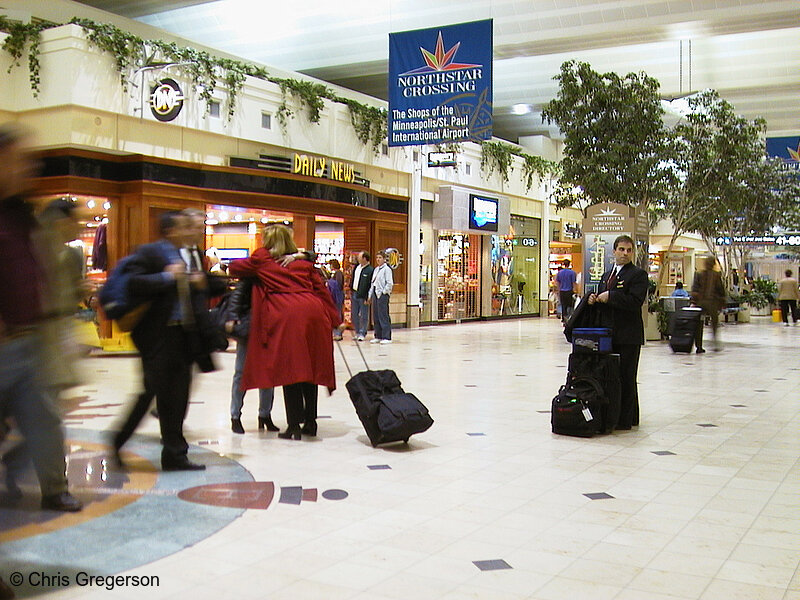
(787, 148)
(440, 85)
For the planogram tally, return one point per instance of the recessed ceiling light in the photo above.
(521, 109)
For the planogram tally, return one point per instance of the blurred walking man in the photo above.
(23, 395)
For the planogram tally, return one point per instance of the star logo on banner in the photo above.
(439, 60)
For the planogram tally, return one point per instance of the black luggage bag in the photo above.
(682, 329)
(592, 380)
(387, 412)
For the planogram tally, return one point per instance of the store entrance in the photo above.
(234, 232)
(458, 275)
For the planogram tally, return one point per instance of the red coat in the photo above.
(291, 320)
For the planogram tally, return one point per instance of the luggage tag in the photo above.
(587, 414)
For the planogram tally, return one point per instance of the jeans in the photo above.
(265, 395)
(23, 396)
(359, 314)
(383, 325)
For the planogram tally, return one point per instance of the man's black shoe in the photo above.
(116, 460)
(700, 351)
(182, 465)
(64, 502)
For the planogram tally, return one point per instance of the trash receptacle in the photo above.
(776, 316)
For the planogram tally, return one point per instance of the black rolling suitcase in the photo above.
(589, 402)
(682, 329)
(387, 412)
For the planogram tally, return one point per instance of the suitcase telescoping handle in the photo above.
(346, 364)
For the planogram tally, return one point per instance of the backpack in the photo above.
(576, 409)
(337, 293)
(115, 301)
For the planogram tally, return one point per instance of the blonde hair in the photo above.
(278, 240)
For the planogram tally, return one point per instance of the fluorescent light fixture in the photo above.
(521, 109)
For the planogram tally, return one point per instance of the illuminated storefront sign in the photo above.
(778, 239)
(166, 99)
(319, 166)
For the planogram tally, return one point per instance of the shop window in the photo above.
(515, 269)
(458, 272)
(266, 120)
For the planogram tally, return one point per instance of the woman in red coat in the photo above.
(290, 329)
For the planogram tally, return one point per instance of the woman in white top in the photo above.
(379, 293)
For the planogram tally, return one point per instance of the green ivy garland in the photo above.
(130, 52)
(20, 36)
(497, 156)
(453, 147)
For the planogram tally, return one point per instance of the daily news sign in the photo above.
(440, 85)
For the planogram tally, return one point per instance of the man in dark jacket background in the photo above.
(624, 290)
(359, 292)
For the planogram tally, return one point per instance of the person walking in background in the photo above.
(23, 393)
(335, 285)
(379, 293)
(679, 291)
(788, 296)
(708, 293)
(290, 340)
(566, 280)
(359, 295)
(624, 292)
(239, 328)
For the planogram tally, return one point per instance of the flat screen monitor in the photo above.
(482, 213)
(229, 254)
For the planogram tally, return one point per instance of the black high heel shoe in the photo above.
(267, 422)
(291, 433)
(309, 429)
(236, 426)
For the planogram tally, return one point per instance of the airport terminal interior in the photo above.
(143, 109)
(698, 502)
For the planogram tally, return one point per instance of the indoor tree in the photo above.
(615, 141)
(728, 186)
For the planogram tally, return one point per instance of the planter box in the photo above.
(651, 332)
(761, 312)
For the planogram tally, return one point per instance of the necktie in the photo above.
(612, 279)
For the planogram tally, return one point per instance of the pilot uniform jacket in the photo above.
(623, 311)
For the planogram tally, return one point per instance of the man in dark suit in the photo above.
(168, 337)
(624, 290)
(359, 288)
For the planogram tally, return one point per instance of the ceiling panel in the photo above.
(743, 48)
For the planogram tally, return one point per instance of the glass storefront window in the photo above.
(515, 269)
(458, 275)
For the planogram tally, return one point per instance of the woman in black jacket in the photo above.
(238, 327)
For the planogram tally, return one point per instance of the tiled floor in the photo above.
(702, 501)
